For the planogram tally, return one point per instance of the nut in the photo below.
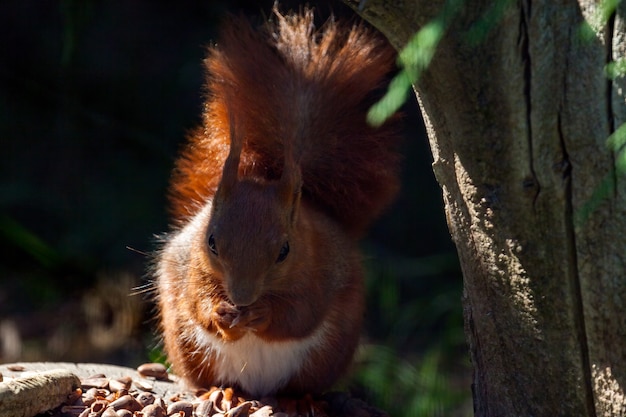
(183, 408)
(126, 402)
(145, 398)
(242, 410)
(153, 410)
(154, 370)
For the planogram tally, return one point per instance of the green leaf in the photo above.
(21, 237)
(490, 19)
(615, 69)
(617, 140)
(413, 60)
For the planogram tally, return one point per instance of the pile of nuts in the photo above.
(100, 396)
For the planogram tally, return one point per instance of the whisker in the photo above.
(143, 289)
(130, 248)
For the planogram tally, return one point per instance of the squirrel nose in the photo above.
(242, 296)
(241, 302)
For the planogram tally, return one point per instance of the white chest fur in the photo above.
(257, 366)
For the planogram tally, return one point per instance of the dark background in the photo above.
(95, 100)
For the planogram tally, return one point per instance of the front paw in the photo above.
(234, 322)
(226, 316)
(256, 317)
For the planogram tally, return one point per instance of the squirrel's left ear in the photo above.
(290, 184)
(230, 172)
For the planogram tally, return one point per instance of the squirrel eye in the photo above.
(284, 251)
(212, 244)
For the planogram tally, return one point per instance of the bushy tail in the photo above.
(291, 84)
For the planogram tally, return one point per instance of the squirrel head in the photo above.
(250, 235)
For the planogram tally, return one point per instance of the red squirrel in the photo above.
(260, 284)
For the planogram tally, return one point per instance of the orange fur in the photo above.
(270, 197)
(311, 88)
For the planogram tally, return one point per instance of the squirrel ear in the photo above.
(290, 187)
(230, 172)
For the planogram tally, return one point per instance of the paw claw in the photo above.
(235, 321)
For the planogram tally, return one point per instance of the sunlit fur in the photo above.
(282, 179)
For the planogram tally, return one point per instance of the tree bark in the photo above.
(518, 122)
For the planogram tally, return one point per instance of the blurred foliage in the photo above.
(22, 238)
(416, 354)
(419, 51)
(95, 100)
(615, 69)
(616, 142)
(490, 19)
(589, 29)
(413, 60)
(422, 390)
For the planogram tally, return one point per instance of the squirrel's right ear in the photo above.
(230, 172)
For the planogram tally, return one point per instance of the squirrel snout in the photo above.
(241, 294)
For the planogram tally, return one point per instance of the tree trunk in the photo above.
(518, 113)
